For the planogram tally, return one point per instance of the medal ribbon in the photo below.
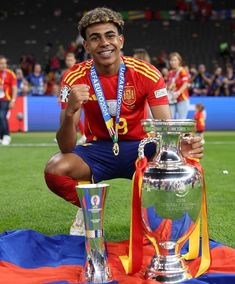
(102, 101)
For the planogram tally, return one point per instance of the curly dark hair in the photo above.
(100, 15)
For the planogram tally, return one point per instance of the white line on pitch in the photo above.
(221, 142)
(31, 145)
(56, 145)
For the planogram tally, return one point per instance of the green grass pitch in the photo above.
(26, 203)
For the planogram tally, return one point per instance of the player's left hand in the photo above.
(192, 147)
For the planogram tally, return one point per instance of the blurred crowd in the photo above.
(36, 79)
(218, 82)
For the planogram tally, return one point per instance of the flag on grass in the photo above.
(28, 257)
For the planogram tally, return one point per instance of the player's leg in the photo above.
(182, 109)
(6, 139)
(1, 122)
(62, 173)
(173, 110)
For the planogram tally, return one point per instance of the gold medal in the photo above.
(115, 149)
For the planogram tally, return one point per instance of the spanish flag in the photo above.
(28, 257)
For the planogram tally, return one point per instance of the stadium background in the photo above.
(39, 28)
(28, 27)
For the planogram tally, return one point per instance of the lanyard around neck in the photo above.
(102, 101)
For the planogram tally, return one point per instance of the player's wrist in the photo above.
(70, 112)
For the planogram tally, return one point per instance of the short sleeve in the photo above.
(13, 79)
(156, 91)
(64, 93)
(184, 75)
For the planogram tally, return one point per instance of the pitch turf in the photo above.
(26, 203)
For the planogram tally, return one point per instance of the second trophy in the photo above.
(92, 199)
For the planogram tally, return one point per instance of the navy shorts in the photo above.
(104, 165)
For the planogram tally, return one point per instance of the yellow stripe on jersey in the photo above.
(77, 76)
(71, 73)
(79, 69)
(142, 72)
(142, 63)
(139, 65)
(12, 73)
(144, 67)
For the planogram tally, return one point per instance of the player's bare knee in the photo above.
(56, 166)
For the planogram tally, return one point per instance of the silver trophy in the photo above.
(92, 199)
(171, 198)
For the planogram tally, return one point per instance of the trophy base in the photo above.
(168, 269)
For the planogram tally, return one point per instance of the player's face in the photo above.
(3, 64)
(37, 68)
(19, 74)
(70, 61)
(174, 62)
(201, 68)
(104, 44)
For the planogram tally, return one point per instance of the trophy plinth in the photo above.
(171, 198)
(167, 269)
(92, 199)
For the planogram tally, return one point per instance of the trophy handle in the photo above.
(145, 141)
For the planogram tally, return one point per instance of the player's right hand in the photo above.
(79, 94)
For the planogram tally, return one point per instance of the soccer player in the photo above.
(70, 60)
(178, 82)
(114, 91)
(8, 93)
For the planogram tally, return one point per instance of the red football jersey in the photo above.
(143, 83)
(7, 80)
(200, 120)
(175, 81)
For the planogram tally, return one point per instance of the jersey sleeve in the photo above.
(13, 79)
(68, 79)
(156, 91)
(184, 75)
(64, 91)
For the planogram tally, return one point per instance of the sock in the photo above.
(63, 186)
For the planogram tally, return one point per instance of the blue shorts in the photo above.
(104, 165)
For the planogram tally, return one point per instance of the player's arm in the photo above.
(161, 112)
(67, 133)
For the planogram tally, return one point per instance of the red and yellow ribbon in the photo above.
(133, 261)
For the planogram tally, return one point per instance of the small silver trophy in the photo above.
(92, 199)
(171, 198)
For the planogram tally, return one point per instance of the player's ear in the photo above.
(121, 38)
(86, 46)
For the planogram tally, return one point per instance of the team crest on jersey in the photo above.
(64, 93)
(129, 96)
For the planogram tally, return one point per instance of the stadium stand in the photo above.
(39, 29)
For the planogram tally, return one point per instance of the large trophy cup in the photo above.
(92, 199)
(171, 198)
